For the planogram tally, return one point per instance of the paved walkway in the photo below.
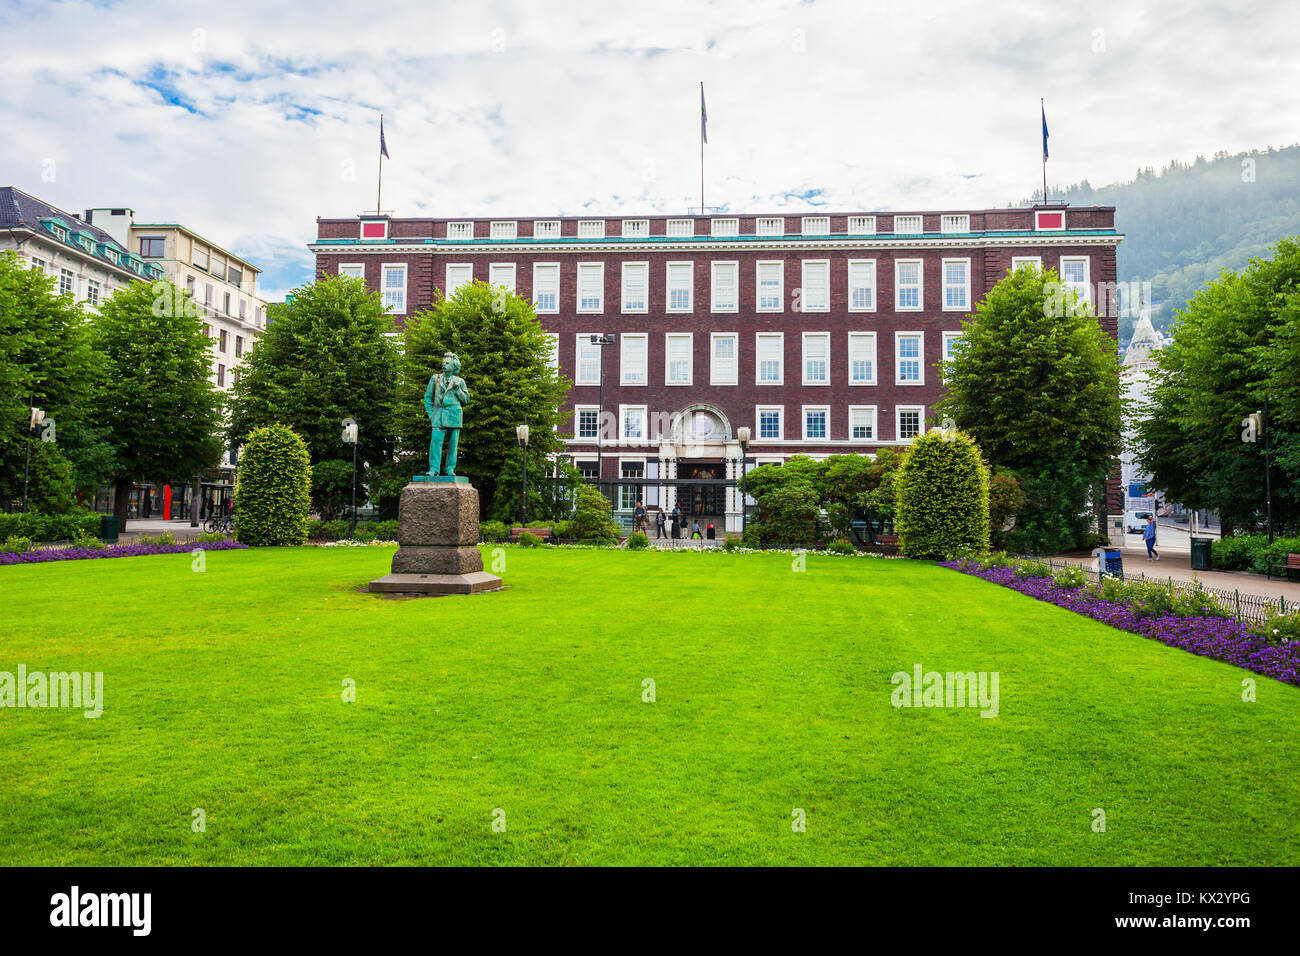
(1178, 567)
(180, 529)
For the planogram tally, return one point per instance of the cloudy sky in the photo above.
(246, 120)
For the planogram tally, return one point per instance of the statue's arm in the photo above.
(462, 392)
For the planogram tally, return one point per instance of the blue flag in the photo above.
(1044, 132)
(383, 146)
(704, 116)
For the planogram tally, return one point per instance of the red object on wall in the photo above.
(374, 230)
(167, 502)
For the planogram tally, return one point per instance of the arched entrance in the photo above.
(699, 438)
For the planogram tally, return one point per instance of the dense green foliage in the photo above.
(161, 412)
(506, 363)
(591, 518)
(943, 497)
(331, 488)
(47, 361)
(50, 527)
(1189, 222)
(551, 487)
(848, 487)
(323, 357)
(1035, 383)
(273, 488)
(1252, 552)
(773, 693)
(1236, 343)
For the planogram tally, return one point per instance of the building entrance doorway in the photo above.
(704, 500)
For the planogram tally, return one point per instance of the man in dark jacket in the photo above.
(677, 522)
(660, 520)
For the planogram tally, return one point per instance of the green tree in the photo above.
(273, 489)
(591, 518)
(943, 497)
(161, 412)
(551, 489)
(323, 357)
(506, 363)
(1035, 383)
(331, 488)
(46, 360)
(1235, 345)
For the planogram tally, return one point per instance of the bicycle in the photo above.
(223, 523)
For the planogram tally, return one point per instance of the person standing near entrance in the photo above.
(638, 517)
(660, 521)
(677, 522)
(1149, 536)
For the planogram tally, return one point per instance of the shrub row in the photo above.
(1252, 552)
(40, 527)
(339, 530)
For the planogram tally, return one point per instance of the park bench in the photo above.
(1291, 567)
(543, 533)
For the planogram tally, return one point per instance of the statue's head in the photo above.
(451, 364)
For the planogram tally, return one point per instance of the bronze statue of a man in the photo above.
(444, 400)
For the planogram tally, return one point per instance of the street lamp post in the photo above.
(742, 434)
(1268, 472)
(601, 341)
(350, 435)
(521, 433)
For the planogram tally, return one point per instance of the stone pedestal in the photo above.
(437, 528)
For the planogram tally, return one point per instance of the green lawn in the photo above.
(223, 691)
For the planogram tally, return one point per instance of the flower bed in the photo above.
(117, 551)
(1231, 642)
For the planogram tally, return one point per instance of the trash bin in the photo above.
(1112, 562)
(709, 532)
(1201, 554)
(108, 528)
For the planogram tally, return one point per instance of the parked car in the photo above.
(1135, 521)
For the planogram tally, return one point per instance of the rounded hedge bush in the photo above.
(942, 497)
(273, 494)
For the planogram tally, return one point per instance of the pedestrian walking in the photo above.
(1149, 536)
(696, 533)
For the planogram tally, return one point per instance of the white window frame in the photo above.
(867, 337)
(584, 339)
(546, 267)
(803, 423)
(780, 285)
(1019, 261)
(714, 377)
(899, 337)
(862, 225)
(943, 354)
(384, 269)
(1086, 292)
(679, 228)
(668, 287)
(343, 271)
(815, 225)
(460, 231)
(547, 229)
(690, 357)
(591, 228)
(825, 337)
(907, 223)
(953, 222)
(503, 229)
(623, 366)
(577, 422)
(875, 423)
(644, 268)
(636, 228)
(898, 418)
(920, 286)
(825, 266)
(637, 491)
(734, 266)
(758, 358)
(587, 268)
(622, 424)
(724, 227)
(874, 285)
(769, 226)
(758, 422)
(498, 267)
(448, 289)
(966, 288)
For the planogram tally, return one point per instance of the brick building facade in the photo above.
(820, 333)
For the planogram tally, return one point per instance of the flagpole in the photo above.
(1042, 107)
(702, 121)
(379, 193)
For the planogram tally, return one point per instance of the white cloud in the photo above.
(246, 122)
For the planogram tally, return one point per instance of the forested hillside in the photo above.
(1188, 222)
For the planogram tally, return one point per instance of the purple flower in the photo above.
(117, 551)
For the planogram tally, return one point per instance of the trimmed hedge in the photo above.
(41, 527)
(273, 494)
(1252, 552)
(493, 531)
(591, 518)
(943, 497)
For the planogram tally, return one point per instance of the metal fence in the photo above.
(1253, 608)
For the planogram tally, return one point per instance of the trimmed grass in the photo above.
(223, 691)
